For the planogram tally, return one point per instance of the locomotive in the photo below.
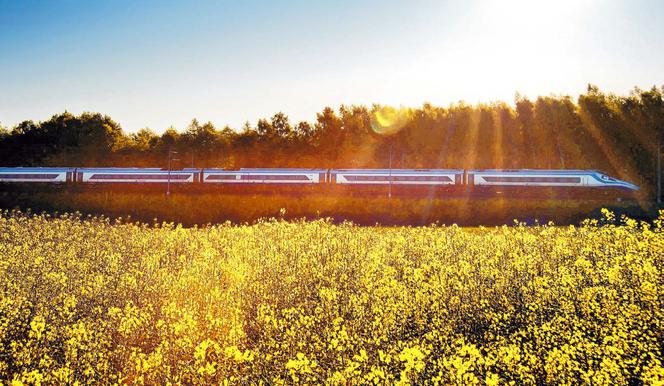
(442, 178)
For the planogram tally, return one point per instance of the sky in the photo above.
(161, 63)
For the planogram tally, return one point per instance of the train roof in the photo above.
(135, 170)
(41, 169)
(537, 171)
(397, 170)
(300, 170)
(265, 171)
(279, 170)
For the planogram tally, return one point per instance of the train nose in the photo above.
(629, 186)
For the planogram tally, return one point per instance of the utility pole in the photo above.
(168, 180)
(389, 194)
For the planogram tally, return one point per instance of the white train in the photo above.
(53, 175)
(135, 175)
(422, 177)
(346, 177)
(545, 178)
(264, 176)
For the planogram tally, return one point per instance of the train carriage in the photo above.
(136, 175)
(545, 179)
(419, 177)
(265, 176)
(32, 175)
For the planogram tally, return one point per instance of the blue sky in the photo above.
(161, 63)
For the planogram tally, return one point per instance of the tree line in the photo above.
(618, 134)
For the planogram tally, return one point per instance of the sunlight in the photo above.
(500, 47)
(624, 167)
(472, 140)
(387, 120)
(343, 193)
(498, 146)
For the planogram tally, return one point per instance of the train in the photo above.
(517, 179)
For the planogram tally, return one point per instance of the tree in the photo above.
(144, 140)
(528, 149)
(265, 130)
(170, 138)
(330, 127)
(202, 141)
(98, 133)
(281, 127)
(305, 131)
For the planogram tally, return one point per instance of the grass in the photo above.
(214, 207)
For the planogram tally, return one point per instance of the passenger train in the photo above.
(351, 178)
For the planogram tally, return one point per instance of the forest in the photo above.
(618, 134)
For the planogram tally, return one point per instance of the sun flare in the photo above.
(388, 120)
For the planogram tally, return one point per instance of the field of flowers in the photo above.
(93, 301)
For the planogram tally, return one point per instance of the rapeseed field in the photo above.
(92, 301)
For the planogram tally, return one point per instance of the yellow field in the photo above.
(316, 303)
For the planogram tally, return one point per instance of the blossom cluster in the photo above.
(90, 300)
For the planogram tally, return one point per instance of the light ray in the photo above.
(618, 163)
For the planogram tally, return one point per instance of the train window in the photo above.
(607, 178)
(139, 176)
(281, 177)
(221, 177)
(574, 180)
(397, 178)
(422, 178)
(28, 176)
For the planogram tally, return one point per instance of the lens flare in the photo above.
(388, 120)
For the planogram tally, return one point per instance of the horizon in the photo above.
(157, 65)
